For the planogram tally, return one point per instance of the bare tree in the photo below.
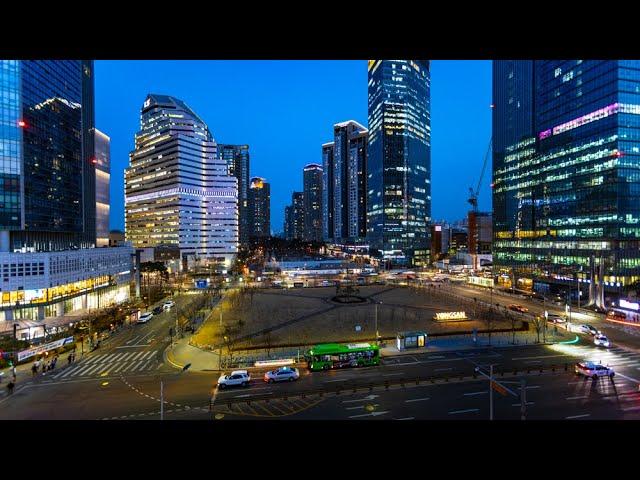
(539, 322)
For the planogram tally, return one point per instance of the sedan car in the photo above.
(518, 308)
(556, 319)
(282, 374)
(145, 317)
(601, 341)
(168, 305)
(235, 378)
(588, 329)
(157, 311)
(593, 370)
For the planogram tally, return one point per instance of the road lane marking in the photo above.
(578, 416)
(417, 400)
(368, 397)
(406, 418)
(474, 393)
(135, 346)
(436, 356)
(360, 407)
(442, 369)
(73, 369)
(532, 387)
(539, 356)
(581, 397)
(119, 367)
(455, 412)
(372, 414)
(246, 395)
(142, 367)
(519, 404)
(637, 407)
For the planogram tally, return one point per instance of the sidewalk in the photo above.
(181, 353)
(465, 342)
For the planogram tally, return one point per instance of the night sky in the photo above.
(285, 110)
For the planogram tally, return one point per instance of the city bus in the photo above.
(336, 355)
(623, 316)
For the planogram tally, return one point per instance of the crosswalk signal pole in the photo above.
(491, 392)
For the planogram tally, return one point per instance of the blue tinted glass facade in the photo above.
(47, 201)
(399, 159)
(578, 195)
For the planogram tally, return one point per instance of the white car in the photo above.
(168, 305)
(145, 317)
(589, 330)
(282, 374)
(601, 341)
(593, 370)
(235, 378)
(556, 319)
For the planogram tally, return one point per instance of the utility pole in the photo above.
(523, 399)
(491, 392)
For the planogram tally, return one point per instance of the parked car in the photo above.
(588, 329)
(518, 308)
(158, 310)
(235, 378)
(168, 305)
(601, 341)
(593, 370)
(282, 374)
(145, 317)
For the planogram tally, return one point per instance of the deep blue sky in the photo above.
(285, 110)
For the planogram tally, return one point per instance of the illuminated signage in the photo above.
(440, 316)
(629, 305)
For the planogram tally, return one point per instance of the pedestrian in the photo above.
(13, 372)
(34, 370)
(10, 386)
(44, 367)
(69, 358)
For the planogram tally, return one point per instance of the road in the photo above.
(122, 379)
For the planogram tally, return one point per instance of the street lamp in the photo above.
(376, 320)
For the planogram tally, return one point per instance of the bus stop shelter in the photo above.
(406, 340)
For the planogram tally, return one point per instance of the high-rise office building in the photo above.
(565, 172)
(49, 198)
(312, 188)
(294, 217)
(237, 159)
(399, 162)
(288, 222)
(259, 208)
(103, 177)
(178, 192)
(346, 182)
(327, 191)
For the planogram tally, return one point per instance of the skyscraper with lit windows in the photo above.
(312, 189)
(566, 173)
(237, 160)
(103, 180)
(399, 160)
(178, 192)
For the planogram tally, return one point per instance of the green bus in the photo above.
(336, 355)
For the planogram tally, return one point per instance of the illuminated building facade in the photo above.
(178, 192)
(49, 201)
(312, 190)
(566, 172)
(399, 160)
(327, 191)
(237, 160)
(103, 175)
(294, 217)
(259, 208)
(346, 182)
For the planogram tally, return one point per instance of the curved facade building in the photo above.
(178, 192)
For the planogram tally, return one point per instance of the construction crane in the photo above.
(473, 194)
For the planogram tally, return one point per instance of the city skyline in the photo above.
(240, 111)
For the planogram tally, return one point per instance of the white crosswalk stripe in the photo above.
(112, 363)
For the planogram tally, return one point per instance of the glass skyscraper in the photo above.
(237, 159)
(259, 207)
(312, 187)
(47, 163)
(103, 177)
(399, 160)
(344, 185)
(566, 172)
(178, 192)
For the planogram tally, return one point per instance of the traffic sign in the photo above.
(499, 388)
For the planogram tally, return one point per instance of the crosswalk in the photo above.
(614, 356)
(112, 364)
